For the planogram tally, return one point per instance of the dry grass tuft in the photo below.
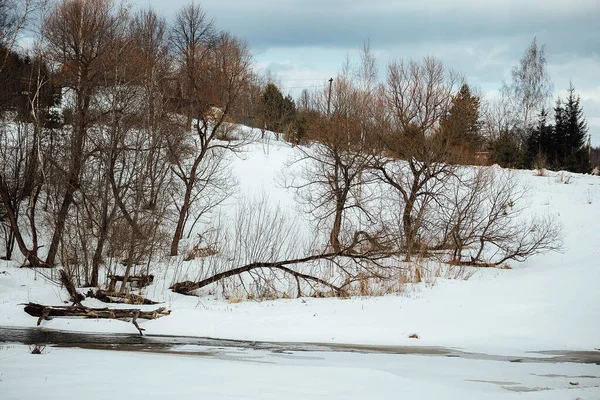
(235, 300)
(199, 252)
(563, 178)
(37, 348)
(541, 172)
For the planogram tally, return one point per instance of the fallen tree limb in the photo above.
(474, 263)
(188, 286)
(131, 314)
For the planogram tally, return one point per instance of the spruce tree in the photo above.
(540, 143)
(505, 151)
(578, 157)
(461, 126)
(277, 112)
(571, 134)
(558, 149)
(271, 107)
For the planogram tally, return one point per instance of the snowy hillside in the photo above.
(549, 302)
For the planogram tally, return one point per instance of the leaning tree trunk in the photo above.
(75, 167)
(183, 212)
(187, 199)
(334, 236)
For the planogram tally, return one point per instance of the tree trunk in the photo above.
(183, 212)
(408, 228)
(102, 237)
(9, 242)
(97, 258)
(334, 237)
(60, 224)
(180, 222)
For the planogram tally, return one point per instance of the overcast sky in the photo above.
(304, 43)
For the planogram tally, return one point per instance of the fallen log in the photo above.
(131, 314)
(120, 298)
(141, 281)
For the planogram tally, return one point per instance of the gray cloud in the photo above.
(346, 23)
(481, 39)
(565, 27)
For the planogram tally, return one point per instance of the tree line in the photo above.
(137, 158)
(514, 130)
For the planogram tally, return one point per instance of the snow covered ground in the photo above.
(61, 373)
(550, 302)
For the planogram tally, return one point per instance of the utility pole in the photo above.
(329, 97)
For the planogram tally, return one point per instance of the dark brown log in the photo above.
(142, 280)
(132, 314)
(116, 297)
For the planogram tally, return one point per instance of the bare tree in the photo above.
(22, 166)
(191, 38)
(80, 36)
(483, 212)
(419, 95)
(15, 156)
(332, 181)
(530, 87)
(129, 162)
(14, 17)
(497, 117)
(214, 71)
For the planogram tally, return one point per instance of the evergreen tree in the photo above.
(505, 151)
(559, 141)
(270, 105)
(461, 127)
(275, 111)
(571, 134)
(540, 143)
(288, 113)
(18, 78)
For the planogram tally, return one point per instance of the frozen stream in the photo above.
(99, 366)
(170, 344)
